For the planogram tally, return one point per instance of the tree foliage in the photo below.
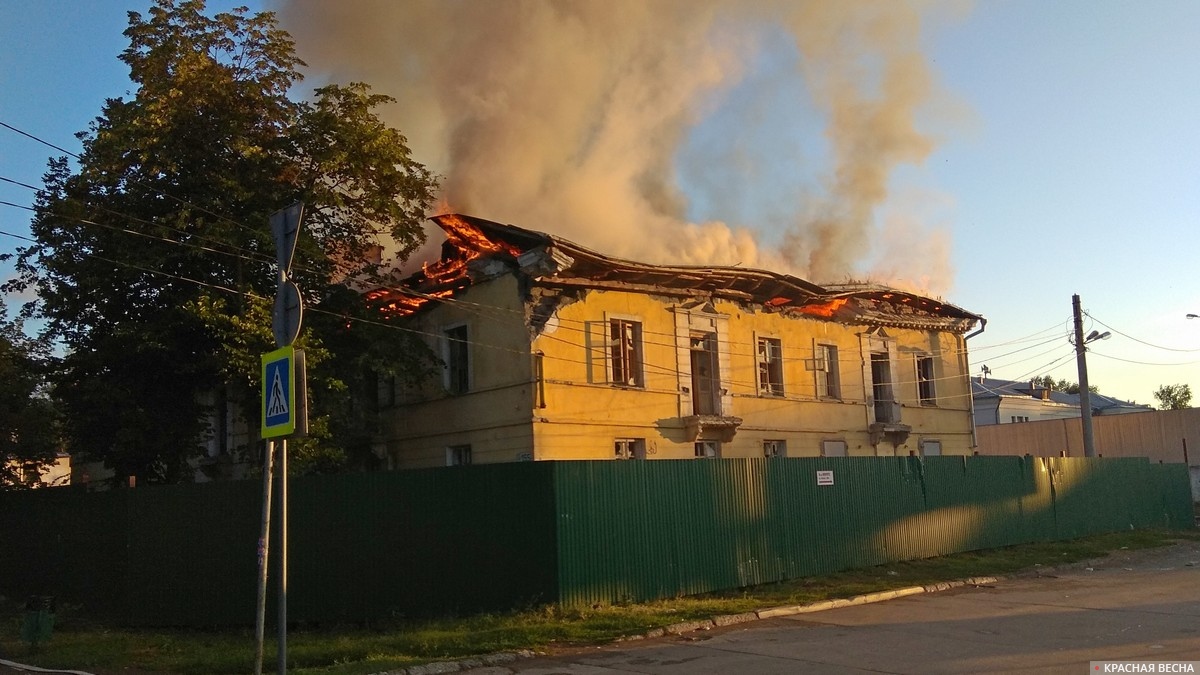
(154, 262)
(1174, 396)
(29, 423)
(1063, 385)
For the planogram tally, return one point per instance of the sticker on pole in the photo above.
(279, 393)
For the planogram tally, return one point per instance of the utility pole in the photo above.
(1085, 401)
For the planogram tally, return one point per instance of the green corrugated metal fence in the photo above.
(362, 546)
(644, 530)
(475, 538)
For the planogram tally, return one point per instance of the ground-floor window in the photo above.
(774, 448)
(629, 448)
(833, 448)
(458, 455)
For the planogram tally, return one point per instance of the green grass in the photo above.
(81, 644)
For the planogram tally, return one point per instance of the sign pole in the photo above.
(285, 405)
(283, 551)
(260, 615)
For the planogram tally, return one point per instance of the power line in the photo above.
(1125, 335)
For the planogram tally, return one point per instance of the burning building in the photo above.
(553, 351)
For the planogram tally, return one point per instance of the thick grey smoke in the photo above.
(567, 115)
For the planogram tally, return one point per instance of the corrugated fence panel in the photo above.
(984, 502)
(1174, 493)
(207, 537)
(1094, 495)
(461, 539)
(65, 542)
(362, 546)
(720, 524)
(488, 537)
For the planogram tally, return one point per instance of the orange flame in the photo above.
(827, 309)
(470, 240)
(446, 276)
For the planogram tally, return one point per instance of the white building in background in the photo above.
(1008, 402)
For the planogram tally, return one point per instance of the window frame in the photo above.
(827, 373)
(629, 448)
(625, 350)
(926, 381)
(459, 455)
(456, 357)
(769, 368)
(826, 443)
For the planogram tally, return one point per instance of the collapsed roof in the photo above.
(477, 249)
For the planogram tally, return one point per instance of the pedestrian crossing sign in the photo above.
(283, 399)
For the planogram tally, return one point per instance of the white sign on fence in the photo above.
(824, 478)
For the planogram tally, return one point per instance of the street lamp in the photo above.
(1085, 400)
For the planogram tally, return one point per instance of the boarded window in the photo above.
(835, 448)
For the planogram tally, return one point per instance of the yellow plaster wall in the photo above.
(493, 417)
(583, 415)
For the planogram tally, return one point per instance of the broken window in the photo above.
(629, 448)
(925, 380)
(708, 449)
(775, 448)
(770, 367)
(828, 379)
(458, 372)
(625, 353)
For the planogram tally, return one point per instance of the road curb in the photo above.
(745, 617)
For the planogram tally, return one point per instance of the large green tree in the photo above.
(29, 424)
(140, 243)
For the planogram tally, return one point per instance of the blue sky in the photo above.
(1068, 162)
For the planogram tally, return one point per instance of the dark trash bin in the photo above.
(39, 619)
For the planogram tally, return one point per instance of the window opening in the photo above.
(458, 455)
(625, 352)
(457, 364)
(629, 448)
(925, 380)
(770, 366)
(706, 380)
(828, 379)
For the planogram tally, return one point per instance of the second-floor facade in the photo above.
(552, 351)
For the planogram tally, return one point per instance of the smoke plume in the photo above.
(568, 116)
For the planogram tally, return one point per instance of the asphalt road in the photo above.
(1142, 606)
